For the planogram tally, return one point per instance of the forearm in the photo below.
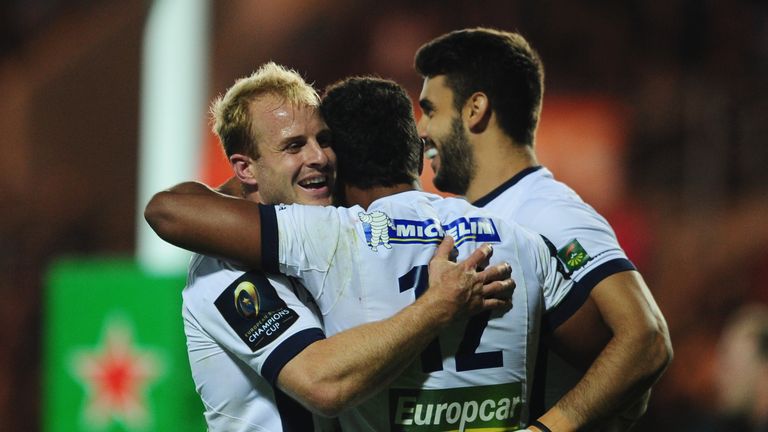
(633, 359)
(194, 217)
(617, 379)
(345, 369)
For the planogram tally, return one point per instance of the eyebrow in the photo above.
(324, 131)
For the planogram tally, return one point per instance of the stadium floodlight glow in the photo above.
(173, 106)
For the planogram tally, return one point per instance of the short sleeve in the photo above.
(554, 279)
(585, 245)
(309, 241)
(257, 318)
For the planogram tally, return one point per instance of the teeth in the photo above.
(313, 181)
(431, 153)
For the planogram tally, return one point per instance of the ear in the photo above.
(477, 112)
(243, 167)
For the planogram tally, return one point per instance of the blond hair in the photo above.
(230, 114)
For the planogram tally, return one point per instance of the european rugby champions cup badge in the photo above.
(253, 309)
(573, 255)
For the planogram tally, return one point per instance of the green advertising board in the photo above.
(114, 350)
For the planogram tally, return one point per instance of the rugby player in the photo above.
(254, 337)
(607, 342)
(366, 262)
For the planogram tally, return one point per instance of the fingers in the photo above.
(444, 249)
(454, 255)
(499, 289)
(494, 273)
(479, 257)
(496, 304)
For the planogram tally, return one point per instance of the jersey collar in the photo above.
(490, 196)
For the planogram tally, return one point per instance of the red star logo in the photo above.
(115, 376)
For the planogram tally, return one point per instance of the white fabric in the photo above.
(225, 369)
(351, 260)
(544, 205)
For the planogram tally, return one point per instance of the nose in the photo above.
(421, 126)
(317, 155)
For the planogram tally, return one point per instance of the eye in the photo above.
(427, 108)
(324, 139)
(294, 146)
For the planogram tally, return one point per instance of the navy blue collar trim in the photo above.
(490, 196)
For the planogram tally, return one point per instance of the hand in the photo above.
(232, 187)
(461, 289)
(629, 416)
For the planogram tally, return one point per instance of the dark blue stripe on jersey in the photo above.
(288, 350)
(417, 279)
(538, 388)
(293, 416)
(580, 291)
(504, 186)
(269, 239)
(553, 254)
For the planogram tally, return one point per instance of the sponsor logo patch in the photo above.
(381, 230)
(484, 408)
(573, 255)
(251, 306)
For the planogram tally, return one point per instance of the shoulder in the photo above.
(212, 280)
(550, 207)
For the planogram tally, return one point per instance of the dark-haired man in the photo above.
(481, 101)
(365, 262)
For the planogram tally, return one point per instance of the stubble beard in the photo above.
(457, 161)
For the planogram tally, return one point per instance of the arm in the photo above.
(333, 374)
(193, 216)
(343, 370)
(633, 359)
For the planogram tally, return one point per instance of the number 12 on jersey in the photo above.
(467, 358)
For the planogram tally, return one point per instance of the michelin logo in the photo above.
(377, 228)
(380, 229)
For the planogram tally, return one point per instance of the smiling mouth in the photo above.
(314, 182)
(430, 150)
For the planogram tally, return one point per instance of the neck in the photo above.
(364, 197)
(497, 158)
(250, 194)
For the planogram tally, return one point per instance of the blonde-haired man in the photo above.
(255, 340)
(275, 140)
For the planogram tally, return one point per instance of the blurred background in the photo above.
(655, 112)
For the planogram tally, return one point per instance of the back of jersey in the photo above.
(365, 265)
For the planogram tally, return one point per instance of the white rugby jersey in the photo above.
(585, 243)
(364, 265)
(242, 328)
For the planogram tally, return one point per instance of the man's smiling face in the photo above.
(296, 163)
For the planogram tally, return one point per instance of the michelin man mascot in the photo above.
(379, 222)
